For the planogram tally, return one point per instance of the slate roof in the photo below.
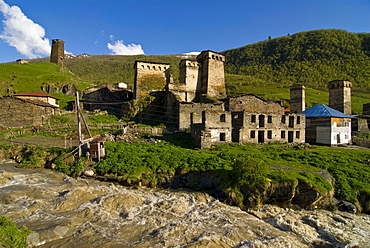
(321, 110)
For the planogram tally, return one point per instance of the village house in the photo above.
(19, 112)
(38, 97)
(327, 126)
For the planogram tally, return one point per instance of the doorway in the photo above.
(261, 136)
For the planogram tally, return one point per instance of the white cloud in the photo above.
(119, 48)
(22, 33)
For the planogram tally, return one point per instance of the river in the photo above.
(78, 212)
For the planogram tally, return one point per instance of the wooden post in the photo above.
(79, 124)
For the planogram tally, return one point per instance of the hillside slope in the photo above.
(266, 68)
(312, 58)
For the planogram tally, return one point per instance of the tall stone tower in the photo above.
(212, 73)
(57, 52)
(297, 98)
(340, 93)
(190, 79)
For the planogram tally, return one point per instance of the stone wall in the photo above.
(20, 113)
(215, 128)
(252, 104)
(264, 128)
(150, 77)
(191, 113)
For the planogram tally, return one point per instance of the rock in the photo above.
(89, 173)
(345, 206)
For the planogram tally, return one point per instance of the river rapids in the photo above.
(68, 212)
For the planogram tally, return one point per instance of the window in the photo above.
(223, 118)
(291, 121)
(269, 134)
(298, 120)
(269, 119)
(261, 120)
(297, 134)
(283, 119)
(283, 134)
(253, 134)
(222, 137)
(253, 118)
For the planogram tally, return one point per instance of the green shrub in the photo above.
(10, 235)
(59, 119)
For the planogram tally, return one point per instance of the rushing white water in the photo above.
(68, 212)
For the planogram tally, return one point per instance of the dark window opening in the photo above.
(283, 134)
(298, 120)
(223, 118)
(253, 134)
(269, 119)
(283, 119)
(291, 121)
(261, 120)
(253, 118)
(269, 134)
(222, 137)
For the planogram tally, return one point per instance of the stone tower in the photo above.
(190, 79)
(212, 73)
(297, 98)
(57, 52)
(340, 92)
(150, 77)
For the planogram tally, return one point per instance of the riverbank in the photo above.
(77, 212)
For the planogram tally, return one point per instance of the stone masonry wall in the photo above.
(253, 104)
(190, 113)
(150, 77)
(20, 113)
(340, 96)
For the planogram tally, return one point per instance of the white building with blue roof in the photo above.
(327, 126)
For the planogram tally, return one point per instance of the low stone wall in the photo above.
(361, 142)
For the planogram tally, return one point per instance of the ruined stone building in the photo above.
(108, 97)
(198, 104)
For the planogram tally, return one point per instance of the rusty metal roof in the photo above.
(39, 94)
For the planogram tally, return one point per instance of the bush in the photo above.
(249, 170)
(10, 235)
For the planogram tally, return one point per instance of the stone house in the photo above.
(38, 97)
(200, 106)
(17, 112)
(255, 120)
(327, 126)
(107, 97)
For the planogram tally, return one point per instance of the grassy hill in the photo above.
(312, 58)
(100, 69)
(266, 68)
(33, 76)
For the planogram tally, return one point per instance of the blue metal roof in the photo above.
(321, 110)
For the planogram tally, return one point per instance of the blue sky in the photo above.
(157, 27)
